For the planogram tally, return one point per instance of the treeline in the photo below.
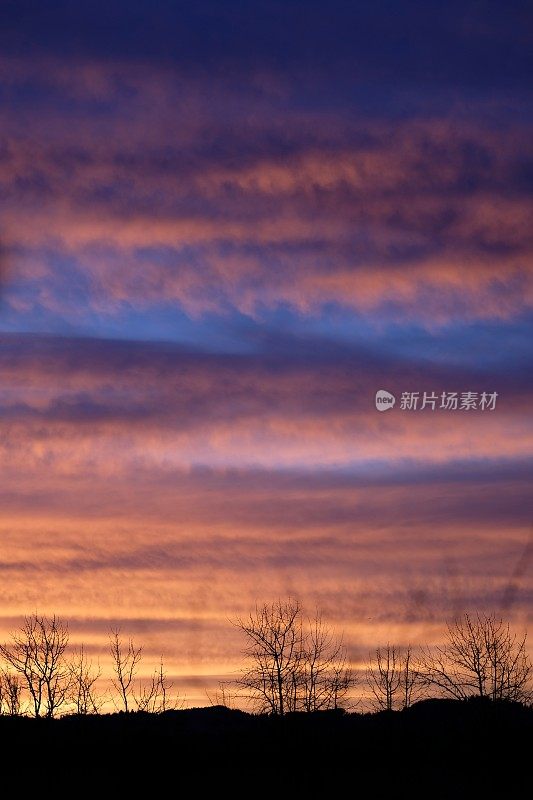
(298, 664)
(291, 663)
(42, 677)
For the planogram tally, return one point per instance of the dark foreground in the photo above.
(435, 749)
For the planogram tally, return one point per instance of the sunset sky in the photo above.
(223, 227)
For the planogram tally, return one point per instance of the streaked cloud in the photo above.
(417, 219)
(212, 255)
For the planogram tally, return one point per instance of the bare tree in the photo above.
(412, 682)
(341, 680)
(480, 656)
(393, 677)
(37, 654)
(147, 694)
(324, 676)
(10, 693)
(154, 696)
(384, 677)
(84, 678)
(164, 701)
(223, 695)
(274, 634)
(292, 666)
(126, 658)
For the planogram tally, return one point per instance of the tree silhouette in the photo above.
(291, 666)
(412, 681)
(37, 654)
(274, 635)
(82, 691)
(393, 678)
(481, 656)
(10, 693)
(154, 696)
(223, 696)
(126, 660)
(384, 677)
(325, 677)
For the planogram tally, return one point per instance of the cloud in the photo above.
(149, 466)
(303, 220)
(261, 206)
(114, 408)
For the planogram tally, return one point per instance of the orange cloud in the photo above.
(113, 508)
(166, 490)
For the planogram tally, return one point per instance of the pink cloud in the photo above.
(429, 217)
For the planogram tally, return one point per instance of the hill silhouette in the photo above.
(444, 748)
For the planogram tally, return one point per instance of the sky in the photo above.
(223, 228)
